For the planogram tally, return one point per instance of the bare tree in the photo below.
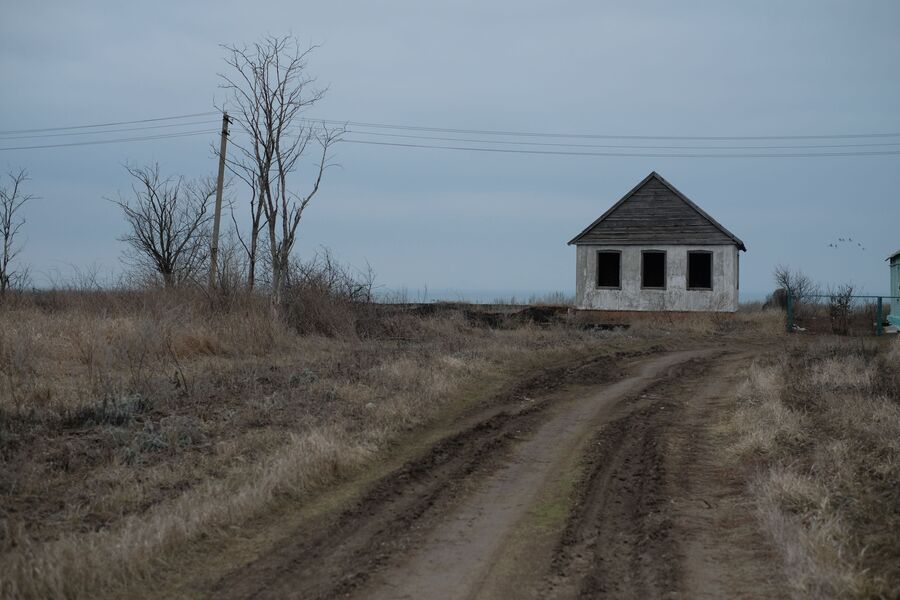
(797, 285)
(269, 91)
(12, 200)
(169, 221)
(840, 307)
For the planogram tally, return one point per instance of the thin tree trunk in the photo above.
(251, 267)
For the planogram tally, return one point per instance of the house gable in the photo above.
(654, 212)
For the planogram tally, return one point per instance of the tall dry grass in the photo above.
(134, 422)
(821, 425)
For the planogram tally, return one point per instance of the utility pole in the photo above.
(214, 247)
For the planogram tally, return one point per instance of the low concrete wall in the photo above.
(723, 296)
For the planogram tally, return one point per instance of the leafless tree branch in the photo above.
(12, 200)
(169, 223)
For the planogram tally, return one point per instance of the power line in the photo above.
(616, 146)
(520, 151)
(113, 124)
(71, 133)
(480, 131)
(131, 139)
(605, 136)
(630, 154)
(565, 148)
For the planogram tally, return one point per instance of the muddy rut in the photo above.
(607, 486)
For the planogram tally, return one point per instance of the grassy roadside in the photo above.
(819, 426)
(129, 429)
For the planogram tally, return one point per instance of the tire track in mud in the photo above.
(660, 512)
(655, 513)
(462, 553)
(618, 539)
(336, 558)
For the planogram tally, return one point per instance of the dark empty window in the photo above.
(699, 270)
(609, 269)
(653, 269)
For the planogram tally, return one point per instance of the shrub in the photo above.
(325, 297)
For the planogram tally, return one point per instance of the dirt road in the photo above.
(610, 484)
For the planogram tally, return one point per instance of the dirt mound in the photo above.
(486, 315)
(541, 314)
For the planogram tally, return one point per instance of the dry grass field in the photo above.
(135, 423)
(820, 424)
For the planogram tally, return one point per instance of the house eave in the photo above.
(740, 246)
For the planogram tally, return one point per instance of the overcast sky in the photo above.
(470, 220)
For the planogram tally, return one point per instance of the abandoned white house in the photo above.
(656, 250)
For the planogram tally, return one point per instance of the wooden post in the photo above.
(217, 217)
(879, 317)
(790, 312)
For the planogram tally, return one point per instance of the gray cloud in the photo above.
(461, 220)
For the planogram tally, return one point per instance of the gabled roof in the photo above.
(893, 255)
(655, 212)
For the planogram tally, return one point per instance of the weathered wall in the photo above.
(895, 283)
(676, 296)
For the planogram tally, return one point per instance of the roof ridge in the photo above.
(678, 193)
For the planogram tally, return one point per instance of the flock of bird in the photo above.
(848, 240)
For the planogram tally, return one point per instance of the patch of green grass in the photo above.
(555, 505)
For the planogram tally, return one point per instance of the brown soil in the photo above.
(661, 512)
(603, 479)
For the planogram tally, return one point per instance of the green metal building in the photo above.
(894, 259)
